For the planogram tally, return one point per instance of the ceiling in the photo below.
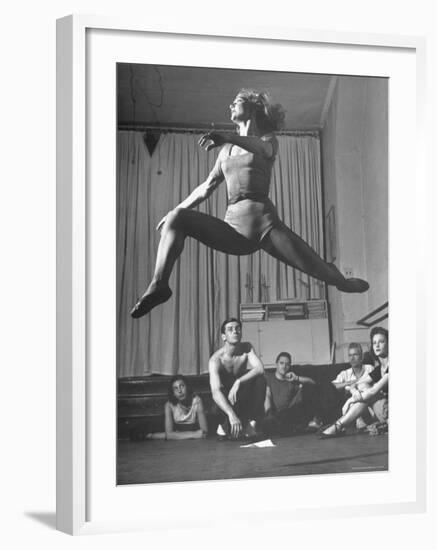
(193, 97)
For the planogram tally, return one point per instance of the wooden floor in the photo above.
(164, 461)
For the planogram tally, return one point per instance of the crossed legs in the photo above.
(351, 413)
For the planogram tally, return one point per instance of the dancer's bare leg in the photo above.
(179, 224)
(282, 243)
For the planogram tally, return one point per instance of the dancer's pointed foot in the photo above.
(335, 430)
(353, 285)
(156, 294)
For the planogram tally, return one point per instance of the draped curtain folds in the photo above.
(208, 286)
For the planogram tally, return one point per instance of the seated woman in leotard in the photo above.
(371, 391)
(184, 414)
(251, 222)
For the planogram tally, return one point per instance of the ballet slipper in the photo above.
(346, 285)
(339, 431)
(353, 285)
(151, 299)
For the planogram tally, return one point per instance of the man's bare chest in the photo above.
(234, 365)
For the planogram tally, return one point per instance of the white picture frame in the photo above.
(82, 491)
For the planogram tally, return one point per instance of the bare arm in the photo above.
(297, 379)
(254, 368)
(376, 388)
(364, 380)
(252, 144)
(366, 393)
(216, 391)
(268, 401)
(220, 399)
(201, 418)
(202, 191)
(341, 385)
(172, 434)
(361, 383)
(305, 380)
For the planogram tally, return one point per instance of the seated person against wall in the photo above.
(184, 414)
(237, 384)
(372, 391)
(350, 379)
(291, 400)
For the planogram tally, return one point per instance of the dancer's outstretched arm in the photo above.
(202, 191)
(252, 144)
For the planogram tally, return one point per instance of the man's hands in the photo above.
(350, 387)
(292, 377)
(232, 395)
(356, 395)
(213, 139)
(235, 425)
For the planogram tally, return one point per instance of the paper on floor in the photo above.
(264, 443)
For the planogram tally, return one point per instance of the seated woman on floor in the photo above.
(371, 392)
(184, 414)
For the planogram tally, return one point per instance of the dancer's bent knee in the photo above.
(174, 218)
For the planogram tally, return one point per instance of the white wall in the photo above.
(354, 148)
(375, 188)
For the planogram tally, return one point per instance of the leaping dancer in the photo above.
(251, 222)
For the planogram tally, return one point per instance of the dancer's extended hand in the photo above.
(161, 223)
(213, 139)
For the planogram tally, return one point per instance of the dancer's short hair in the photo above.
(171, 396)
(283, 354)
(269, 116)
(229, 320)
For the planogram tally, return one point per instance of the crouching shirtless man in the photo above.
(238, 386)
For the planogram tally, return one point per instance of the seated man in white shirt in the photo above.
(349, 379)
